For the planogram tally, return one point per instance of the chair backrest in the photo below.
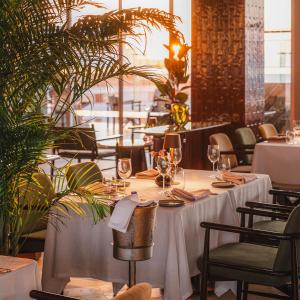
(267, 131)
(83, 174)
(245, 136)
(78, 139)
(225, 144)
(137, 155)
(141, 291)
(36, 196)
(283, 259)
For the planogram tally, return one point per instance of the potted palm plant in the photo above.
(175, 86)
(40, 51)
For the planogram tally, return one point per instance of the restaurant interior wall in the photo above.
(228, 61)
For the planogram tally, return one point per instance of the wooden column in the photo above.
(228, 61)
(295, 105)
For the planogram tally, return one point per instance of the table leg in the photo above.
(131, 273)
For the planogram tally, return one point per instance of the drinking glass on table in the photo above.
(213, 154)
(175, 155)
(163, 167)
(124, 169)
(290, 137)
(224, 164)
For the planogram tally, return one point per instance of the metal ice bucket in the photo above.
(137, 243)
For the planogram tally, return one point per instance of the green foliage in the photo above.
(177, 66)
(41, 51)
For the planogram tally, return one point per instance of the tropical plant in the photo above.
(177, 66)
(40, 51)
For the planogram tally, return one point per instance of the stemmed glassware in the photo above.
(175, 156)
(224, 164)
(213, 154)
(163, 167)
(124, 169)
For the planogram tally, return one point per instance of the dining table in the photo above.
(18, 276)
(81, 248)
(280, 160)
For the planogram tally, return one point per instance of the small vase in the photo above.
(180, 114)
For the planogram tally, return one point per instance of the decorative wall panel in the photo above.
(227, 60)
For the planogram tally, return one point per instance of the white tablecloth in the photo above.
(23, 278)
(83, 249)
(279, 160)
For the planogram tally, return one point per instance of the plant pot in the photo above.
(180, 114)
(137, 243)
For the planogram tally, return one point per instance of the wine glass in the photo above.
(213, 154)
(124, 169)
(179, 178)
(290, 137)
(163, 167)
(175, 156)
(224, 164)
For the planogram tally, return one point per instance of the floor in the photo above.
(93, 289)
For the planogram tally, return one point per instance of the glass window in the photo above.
(278, 62)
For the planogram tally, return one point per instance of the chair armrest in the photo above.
(110, 137)
(263, 213)
(278, 207)
(248, 231)
(47, 296)
(284, 193)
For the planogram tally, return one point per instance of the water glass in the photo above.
(163, 167)
(213, 154)
(290, 137)
(224, 164)
(179, 178)
(124, 169)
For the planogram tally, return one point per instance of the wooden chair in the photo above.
(254, 263)
(227, 149)
(267, 131)
(81, 143)
(83, 174)
(137, 155)
(141, 291)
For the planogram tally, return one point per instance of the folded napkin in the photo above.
(192, 196)
(96, 188)
(148, 174)
(123, 211)
(237, 179)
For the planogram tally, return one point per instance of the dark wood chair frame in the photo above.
(242, 287)
(275, 212)
(94, 154)
(48, 296)
(240, 150)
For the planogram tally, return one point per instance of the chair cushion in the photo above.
(245, 136)
(246, 255)
(267, 130)
(242, 169)
(274, 226)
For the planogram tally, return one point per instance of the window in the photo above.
(278, 62)
(137, 93)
